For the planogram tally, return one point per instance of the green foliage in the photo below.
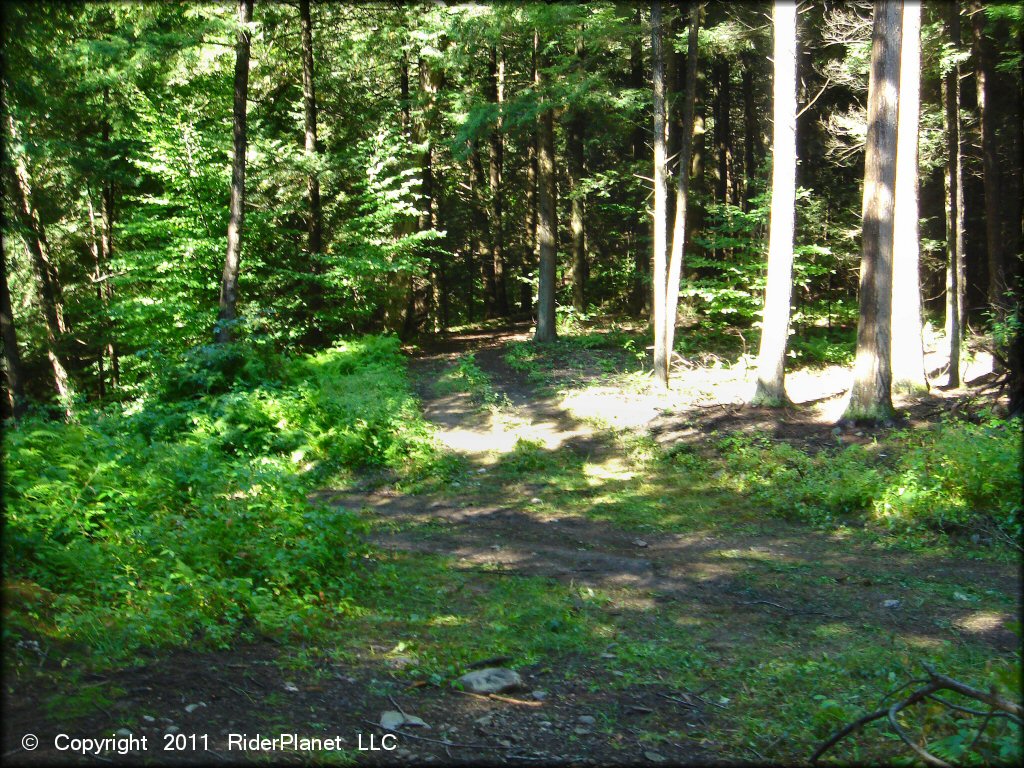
(957, 476)
(188, 518)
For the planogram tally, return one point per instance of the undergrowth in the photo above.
(185, 517)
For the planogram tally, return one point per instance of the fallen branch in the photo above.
(1001, 707)
(496, 697)
(443, 742)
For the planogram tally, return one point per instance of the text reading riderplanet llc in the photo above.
(295, 742)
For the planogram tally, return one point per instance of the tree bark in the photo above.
(659, 274)
(107, 249)
(547, 223)
(984, 76)
(723, 143)
(531, 245)
(314, 214)
(229, 282)
(751, 131)
(483, 240)
(50, 294)
(16, 402)
(907, 353)
(871, 394)
(675, 263)
(640, 288)
(771, 361)
(577, 223)
(954, 203)
(496, 202)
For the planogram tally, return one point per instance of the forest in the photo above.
(597, 383)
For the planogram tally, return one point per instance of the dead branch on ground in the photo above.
(999, 707)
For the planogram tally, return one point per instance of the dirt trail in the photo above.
(715, 573)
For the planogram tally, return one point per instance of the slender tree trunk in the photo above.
(314, 215)
(531, 245)
(16, 402)
(547, 224)
(229, 282)
(723, 143)
(675, 263)
(577, 224)
(97, 266)
(640, 288)
(496, 202)
(107, 248)
(50, 294)
(984, 76)
(871, 395)
(751, 131)
(907, 352)
(659, 275)
(954, 203)
(771, 361)
(695, 215)
(484, 248)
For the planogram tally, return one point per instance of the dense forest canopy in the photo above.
(455, 153)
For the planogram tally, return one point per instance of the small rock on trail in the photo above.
(491, 680)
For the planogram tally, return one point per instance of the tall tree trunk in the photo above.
(771, 361)
(675, 263)
(531, 244)
(723, 142)
(97, 266)
(423, 290)
(907, 352)
(574, 149)
(484, 242)
(640, 288)
(15, 386)
(547, 223)
(751, 131)
(984, 76)
(496, 201)
(107, 247)
(50, 294)
(659, 275)
(871, 394)
(954, 203)
(314, 215)
(229, 281)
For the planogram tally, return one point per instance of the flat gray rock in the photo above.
(491, 680)
(393, 721)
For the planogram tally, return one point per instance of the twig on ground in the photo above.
(791, 611)
(398, 706)
(496, 697)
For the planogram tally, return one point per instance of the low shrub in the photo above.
(188, 518)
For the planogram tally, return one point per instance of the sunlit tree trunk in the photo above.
(907, 352)
(639, 289)
(478, 187)
(954, 203)
(675, 262)
(50, 294)
(15, 387)
(229, 282)
(547, 224)
(723, 141)
(314, 214)
(871, 394)
(659, 274)
(577, 224)
(530, 241)
(771, 361)
(496, 203)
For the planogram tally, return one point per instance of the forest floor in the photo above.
(652, 619)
